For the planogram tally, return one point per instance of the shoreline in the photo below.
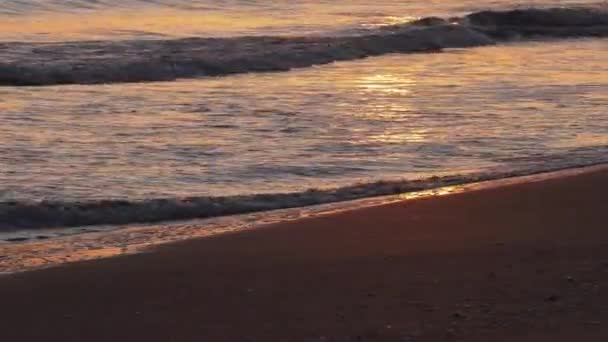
(519, 262)
(88, 243)
(54, 215)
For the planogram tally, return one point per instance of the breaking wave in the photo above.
(96, 62)
(21, 215)
(16, 215)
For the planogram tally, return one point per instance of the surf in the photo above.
(98, 62)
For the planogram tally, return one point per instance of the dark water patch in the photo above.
(16, 239)
(540, 23)
(550, 17)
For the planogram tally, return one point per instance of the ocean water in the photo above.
(191, 146)
(61, 20)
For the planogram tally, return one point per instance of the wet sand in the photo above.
(524, 262)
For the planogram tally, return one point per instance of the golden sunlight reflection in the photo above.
(392, 20)
(382, 87)
(386, 83)
(416, 135)
(448, 190)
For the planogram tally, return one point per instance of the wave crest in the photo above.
(17, 215)
(46, 214)
(550, 17)
(164, 60)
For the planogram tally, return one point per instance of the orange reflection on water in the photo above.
(448, 190)
(583, 140)
(159, 22)
(101, 24)
(386, 83)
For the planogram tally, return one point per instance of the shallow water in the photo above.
(398, 116)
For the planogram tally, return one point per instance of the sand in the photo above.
(524, 262)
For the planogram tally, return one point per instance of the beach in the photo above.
(521, 262)
(345, 170)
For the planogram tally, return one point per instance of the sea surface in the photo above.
(120, 150)
(63, 20)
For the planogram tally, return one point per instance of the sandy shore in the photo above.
(525, 262)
